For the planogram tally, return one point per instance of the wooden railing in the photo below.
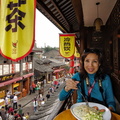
(63, 105)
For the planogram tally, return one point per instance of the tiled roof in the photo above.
(46, 65)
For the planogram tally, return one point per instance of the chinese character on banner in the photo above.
(17, 26)
(67, 45)
(76, 54)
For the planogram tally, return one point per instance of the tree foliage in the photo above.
(48, 48)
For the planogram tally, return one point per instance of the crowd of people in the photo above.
(42, 97)
(14, 111)
(13, 114)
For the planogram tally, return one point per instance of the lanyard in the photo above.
(89, 87)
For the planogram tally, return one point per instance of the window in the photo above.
(0, 69)
(6, 69)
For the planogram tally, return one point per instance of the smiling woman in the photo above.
(92, 81)
(46, 33)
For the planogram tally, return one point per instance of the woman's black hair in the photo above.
(100, 74)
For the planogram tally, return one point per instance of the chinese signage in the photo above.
(6, 77)
(67, 45)
(17, 22)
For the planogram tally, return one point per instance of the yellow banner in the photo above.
(67, 45)
(76, 54)
(17, 27)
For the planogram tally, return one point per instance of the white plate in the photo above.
(106, 115)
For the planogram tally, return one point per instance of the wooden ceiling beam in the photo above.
(58, 9)
(77, 5)
(42, 7)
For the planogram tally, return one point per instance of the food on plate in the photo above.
(95, 107)
(102, 110)
(85, 112)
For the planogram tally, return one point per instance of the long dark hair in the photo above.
(100, 74)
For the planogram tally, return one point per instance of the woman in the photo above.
(35, 104)
(40, 97)
(92, 83)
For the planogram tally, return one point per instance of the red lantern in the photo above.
(71, 70)
(71, 63)
(13, 68)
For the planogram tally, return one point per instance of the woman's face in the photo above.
(91, 63)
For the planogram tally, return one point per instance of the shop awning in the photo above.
(10, 81)
(58, 70)
(28, 75)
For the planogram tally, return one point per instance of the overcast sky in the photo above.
(46, 33)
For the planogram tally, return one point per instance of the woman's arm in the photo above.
(70, 86)
(63, 95)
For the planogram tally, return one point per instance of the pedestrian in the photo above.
(3, 113)
(16, 115)
(17, 118)
(44, 81)
(31, 89)
(11, 98)
(8, 93)
(23, 116)
(33, 86)
(15, 100)
(35, 104)
(6, 99)
(27, 115)
(48, 95)
(11, 116)
(40, 97)
(43, 101)
(92, 82)
(51, 89)
(20, 110)
(41, 91)
(10, 109)
(38, 85)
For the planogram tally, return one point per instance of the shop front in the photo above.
(25, 87)
(26, 84)
(2, 95)
(17, 89)
(8, 85)
(18, 86)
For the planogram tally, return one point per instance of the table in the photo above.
(67, 115)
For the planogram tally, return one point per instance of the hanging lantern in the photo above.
(98, 21)
(13, 68)
(71, 70)
(71, 63)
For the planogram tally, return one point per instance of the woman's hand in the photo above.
(71, 84)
